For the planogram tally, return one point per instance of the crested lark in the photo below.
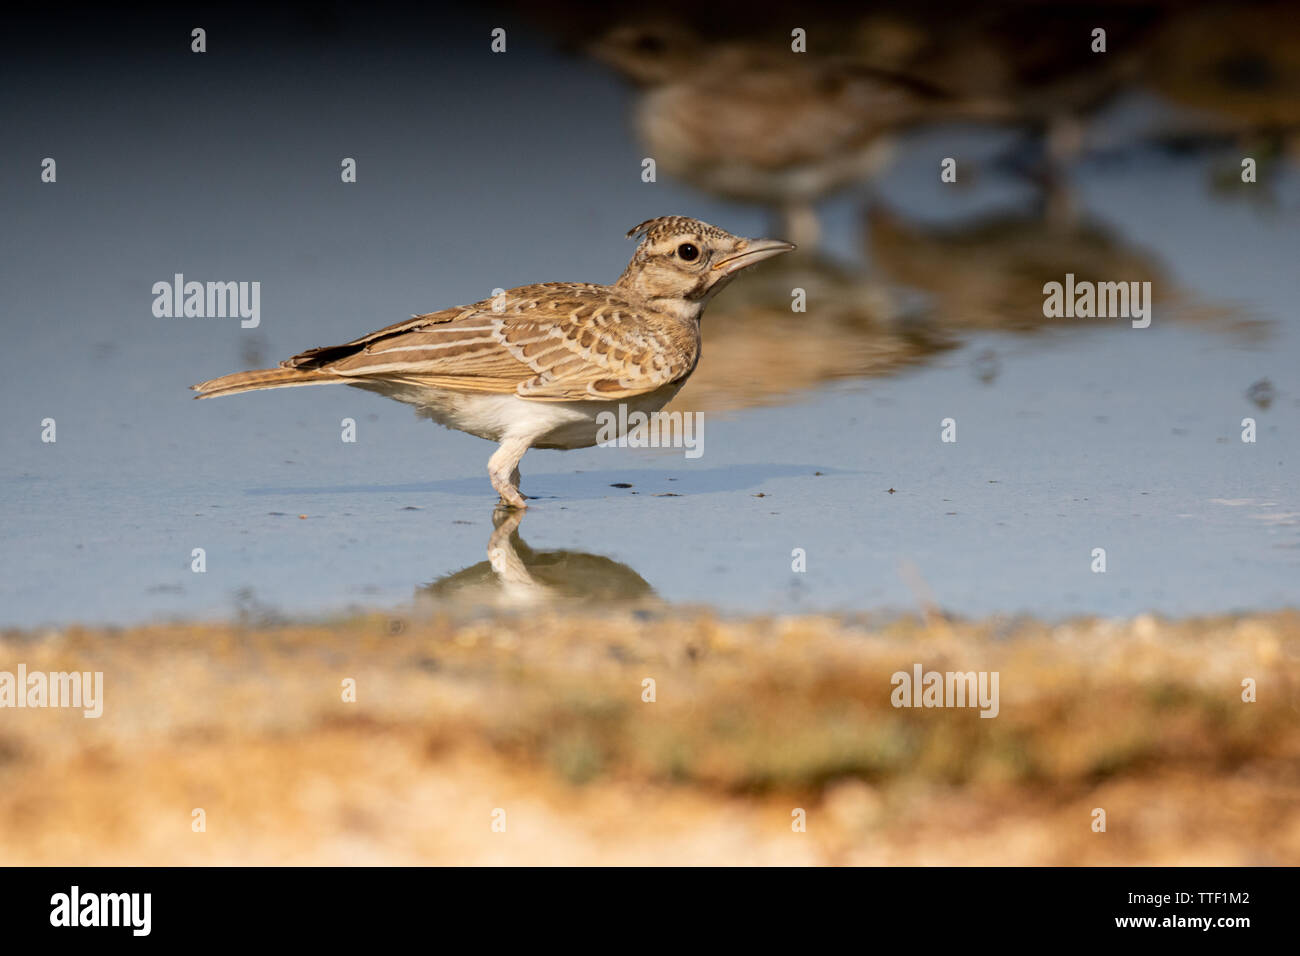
(535, 367)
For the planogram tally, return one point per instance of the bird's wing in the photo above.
(550, 342)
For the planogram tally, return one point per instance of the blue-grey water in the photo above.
(1091, 435)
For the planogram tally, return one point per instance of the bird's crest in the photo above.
(653, 229)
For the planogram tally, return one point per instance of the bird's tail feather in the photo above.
(264, 378)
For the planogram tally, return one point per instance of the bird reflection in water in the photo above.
(516, 575)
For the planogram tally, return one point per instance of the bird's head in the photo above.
(681, 263)
(649, 52)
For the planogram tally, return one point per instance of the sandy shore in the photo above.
(540, 721)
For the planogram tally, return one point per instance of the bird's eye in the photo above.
(649, 43)
(688, 252)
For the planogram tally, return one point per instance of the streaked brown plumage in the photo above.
(533, 367)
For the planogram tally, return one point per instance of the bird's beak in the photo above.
(756, 251)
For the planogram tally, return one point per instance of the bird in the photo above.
(753, 122)
(1038, 61)
(1238, 72)
(536, 366)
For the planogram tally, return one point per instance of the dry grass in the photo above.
(542, 716)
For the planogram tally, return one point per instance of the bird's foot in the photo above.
(508, 490)
(511, 498)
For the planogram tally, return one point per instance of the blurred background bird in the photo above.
(1233, 71)
(1043, 62)
(750, 119)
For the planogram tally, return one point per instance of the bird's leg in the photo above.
(798, 223)
(1060, 211)
(1064, 142)
(503, 469)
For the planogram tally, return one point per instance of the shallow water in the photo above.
(1074, 435)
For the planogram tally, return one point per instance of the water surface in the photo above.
(1072, 434)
